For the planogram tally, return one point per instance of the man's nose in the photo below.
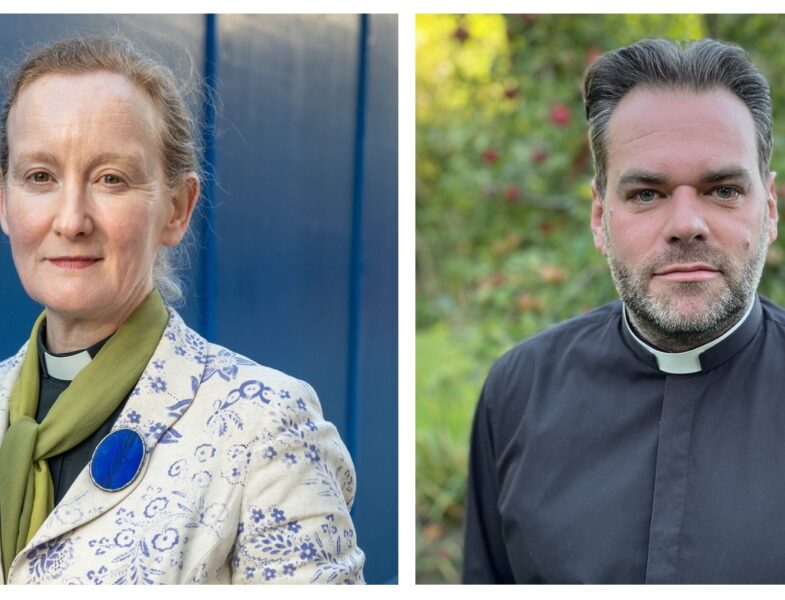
(686, 217)
(73, 219)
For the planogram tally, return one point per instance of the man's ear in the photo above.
(183, 204)
(771, 203)
(597, 212)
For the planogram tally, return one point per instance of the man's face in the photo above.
(686, 220)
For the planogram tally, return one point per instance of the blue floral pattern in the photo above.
(238, 458)
(51, 558)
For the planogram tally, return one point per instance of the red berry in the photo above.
(580, 160)
(560, 114)
(460, 34)
(512, 194)
(593, 54)
(490, 156)
(539, 154)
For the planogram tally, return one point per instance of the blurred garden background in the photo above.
(503, 197)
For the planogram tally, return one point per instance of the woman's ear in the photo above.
(3, 219)
(183, 204)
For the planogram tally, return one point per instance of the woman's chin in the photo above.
(72, 305)
(86, 303)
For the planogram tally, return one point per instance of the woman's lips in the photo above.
(74, 262)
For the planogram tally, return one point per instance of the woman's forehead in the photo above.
(103, 109)
(94, 88)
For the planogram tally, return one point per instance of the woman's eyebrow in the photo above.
(36, 156)
(24, 158)
(129, 159)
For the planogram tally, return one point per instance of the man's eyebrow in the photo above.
(638, 177)
(731, 173)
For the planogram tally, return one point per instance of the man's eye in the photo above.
(645, 196)
(726, 193)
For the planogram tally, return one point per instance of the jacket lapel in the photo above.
(164, 392)
(9, 371)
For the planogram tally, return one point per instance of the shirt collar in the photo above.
(65, 366)
(698, 359)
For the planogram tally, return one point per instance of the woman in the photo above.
(132, 450)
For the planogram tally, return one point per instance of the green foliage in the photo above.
(503, 198)
(447, 383)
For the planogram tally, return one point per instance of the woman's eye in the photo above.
(110, 179)
(40, 177)
(726, 193)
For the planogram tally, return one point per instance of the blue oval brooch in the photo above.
(117, 460)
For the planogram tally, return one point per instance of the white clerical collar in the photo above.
(683, 363)
(66, 368)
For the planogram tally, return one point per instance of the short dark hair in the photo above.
(699, 66)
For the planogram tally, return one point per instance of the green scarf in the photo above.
(26, 489)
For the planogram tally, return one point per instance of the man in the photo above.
(645, 441)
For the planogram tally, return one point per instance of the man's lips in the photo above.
(687, 272)
(73, 262)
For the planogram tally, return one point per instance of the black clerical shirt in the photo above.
(591, 465)
(64, 468)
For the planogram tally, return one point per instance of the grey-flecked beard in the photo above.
(658, 319)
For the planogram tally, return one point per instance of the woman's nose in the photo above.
(686, 220)
(73, 219)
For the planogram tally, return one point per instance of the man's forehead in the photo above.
(651, 129)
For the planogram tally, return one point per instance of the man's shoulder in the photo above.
(773, 313)
(563, 337)
(567, 343)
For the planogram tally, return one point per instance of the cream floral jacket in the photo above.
(244, 482)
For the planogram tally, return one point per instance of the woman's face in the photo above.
(86, 204)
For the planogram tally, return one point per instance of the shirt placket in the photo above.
(670, 480)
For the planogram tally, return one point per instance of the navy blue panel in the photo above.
(17, 310)
(205, 223)
(283, 214)
(173, 38)
(376, 414)
(289, 292)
